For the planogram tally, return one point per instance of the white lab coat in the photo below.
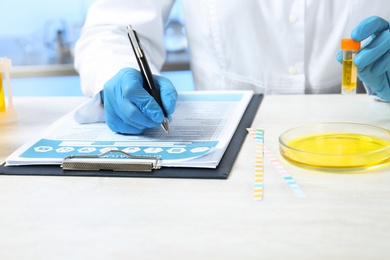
(269, 46)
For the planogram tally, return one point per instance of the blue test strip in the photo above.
(288, 178)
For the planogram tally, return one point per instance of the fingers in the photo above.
(382, 65)
(375, 50)
(134, 92)
(131, 114)
(370, 26)
(168, 93)
(129, 108)
(339, 56)
(119, 123)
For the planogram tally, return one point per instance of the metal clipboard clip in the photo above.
(108, 162)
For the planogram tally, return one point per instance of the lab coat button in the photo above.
(293, 18)
(292, 70)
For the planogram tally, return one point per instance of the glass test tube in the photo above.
(349, 72)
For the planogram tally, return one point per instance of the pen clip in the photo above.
(134, 41)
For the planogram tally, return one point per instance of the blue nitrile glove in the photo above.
(373, 60)
(128, 107)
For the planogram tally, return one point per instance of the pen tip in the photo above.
(165, 125)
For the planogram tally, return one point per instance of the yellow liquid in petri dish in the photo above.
(337, 150)
(349, 75)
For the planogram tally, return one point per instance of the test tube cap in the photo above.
(349, 44)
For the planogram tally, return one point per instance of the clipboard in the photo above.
(220, 172)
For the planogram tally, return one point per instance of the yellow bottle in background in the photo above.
(2, 94)
(7, 112)
(349, 72)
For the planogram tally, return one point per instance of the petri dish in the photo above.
(336, 145)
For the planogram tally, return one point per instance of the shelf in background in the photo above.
(69, 85)
(177, 61)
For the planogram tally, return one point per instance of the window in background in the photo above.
(42, 31)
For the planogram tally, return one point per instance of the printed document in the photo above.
(202, 126)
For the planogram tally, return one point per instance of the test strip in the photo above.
(281, 170)
(258, 134)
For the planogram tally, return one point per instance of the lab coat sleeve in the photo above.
(104, 48)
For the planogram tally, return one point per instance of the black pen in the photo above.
(147, 76)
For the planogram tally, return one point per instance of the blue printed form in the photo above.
(201, 128)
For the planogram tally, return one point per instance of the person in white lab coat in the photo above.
(269, 46)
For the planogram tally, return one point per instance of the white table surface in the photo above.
(344, 216)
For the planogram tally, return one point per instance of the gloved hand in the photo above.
(373, 60)
(128, 107)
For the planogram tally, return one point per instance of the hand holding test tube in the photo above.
(373, 60)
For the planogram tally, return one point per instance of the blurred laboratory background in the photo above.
(39, 37)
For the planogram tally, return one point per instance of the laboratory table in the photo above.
(342, 215)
